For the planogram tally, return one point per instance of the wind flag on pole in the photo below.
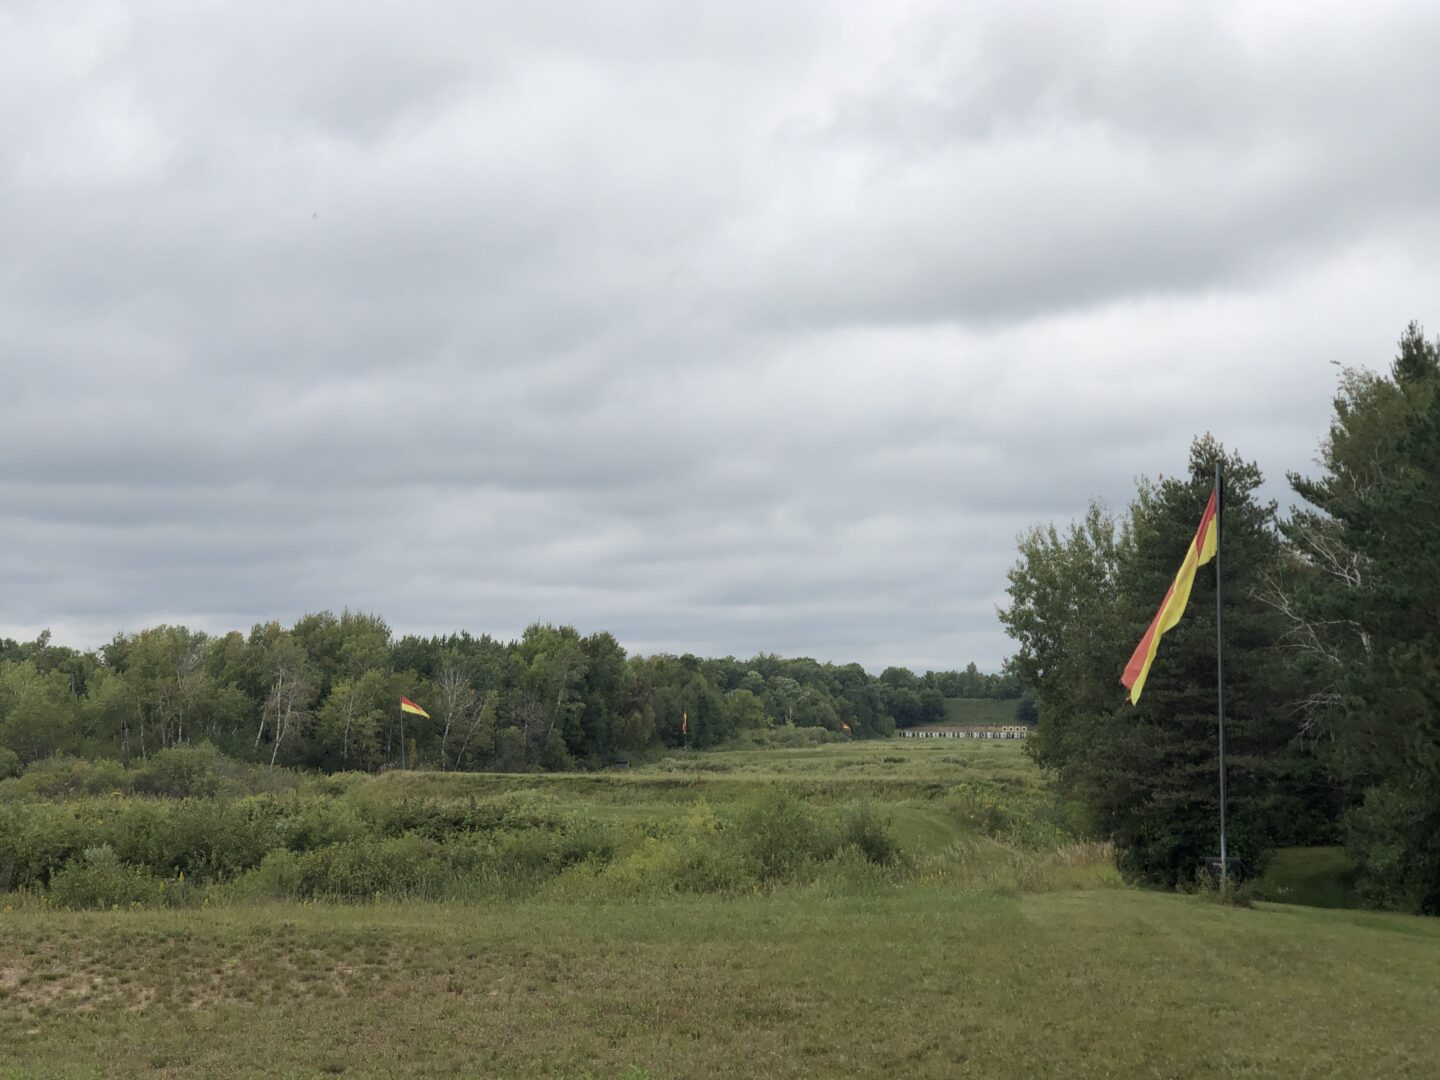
(406, 705)
(1202, 550)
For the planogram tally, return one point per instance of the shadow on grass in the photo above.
(1313, 877)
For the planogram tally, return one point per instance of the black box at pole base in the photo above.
(1234, 869)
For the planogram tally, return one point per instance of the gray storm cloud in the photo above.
(724, 328)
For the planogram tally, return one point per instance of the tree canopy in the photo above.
(324, 694)
(1146, 775)
(1331, 646)
(1362, 601)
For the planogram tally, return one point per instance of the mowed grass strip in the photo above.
(915, 982)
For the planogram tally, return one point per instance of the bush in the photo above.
(779, 835)
(541, 853)
(38, 840)
(276, 878)
(440, 820)
(365, 869)
(338, 783)
(1077, 865)
(982, 810)
(1394, 838)
(139, 832)
(305, 824)
(60, 777)
(862, 827)
(695, 856)
(850, 872)
(9, 763)
(99, 880)
(1227, 893)
(671, 764)
(355, 870)
(206, 839)
(181, 893)
(787, 736)
(679, 864)
(180, 771)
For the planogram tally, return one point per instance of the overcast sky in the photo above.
(723, 327)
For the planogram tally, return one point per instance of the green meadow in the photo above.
(867, 909)
(980, 710)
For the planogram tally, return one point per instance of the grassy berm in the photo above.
(867, 910)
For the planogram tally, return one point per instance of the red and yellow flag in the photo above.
(406, 705)
(1202, 550)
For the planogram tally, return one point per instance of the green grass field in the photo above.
(1001, 950)
(980, 711)
(1316, 877)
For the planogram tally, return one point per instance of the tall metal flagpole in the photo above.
(1219, 664)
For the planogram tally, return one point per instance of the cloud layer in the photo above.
(723, 328)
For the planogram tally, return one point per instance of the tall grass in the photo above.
(724, 824)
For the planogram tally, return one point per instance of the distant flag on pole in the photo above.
(406, 705)
(1202, 550)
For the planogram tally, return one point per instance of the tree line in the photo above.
(324, 694)
(1331, 640)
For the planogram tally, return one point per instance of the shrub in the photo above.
(180, 771)
(139, 833)
(9, 763)
(671, 764)
(539, 853)
(207, 839)
(1227, 893)
(338, 783)
(1393, 838)
(694, 856)
(787, 736)
(1077, 865)
(364, 869)
(862, 827)
(276, 878)
(441, 819)
(180, 892)
(38, 840)
(99, 880)
(850, 872)
(980, 809)
(679, 864)
(60, 777)
(305, 824)
(354, 870)
(779, 835)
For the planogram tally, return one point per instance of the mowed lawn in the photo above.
(911, 982)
